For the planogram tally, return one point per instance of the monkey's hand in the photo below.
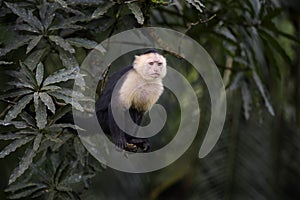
(141, 143)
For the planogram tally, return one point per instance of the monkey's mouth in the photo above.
(155, 75)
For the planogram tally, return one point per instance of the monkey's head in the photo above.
(151, 66)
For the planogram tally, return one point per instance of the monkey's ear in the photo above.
(136, 56)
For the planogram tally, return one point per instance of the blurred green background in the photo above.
(255, 45)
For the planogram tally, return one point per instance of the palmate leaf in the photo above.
(26, 190)
(39, 75)
(23, 165)
(61, 76)
(67, 100)
(40, 112)
(82, 42)
(247, 99)
(16, 109)
(10, 136)
(27, 118)
(33, 43)
(34, 58)
(101, 10)
(263, 93)
(18, 42)
(47, 100)
(137, 12)
(26, 27)
(80, 150)
(26, 15)
(197, 4)
(68, 60)
(14, 145)
(62, 43)
(47, 13)
(17, 124)
(28, 73)
(15, 93)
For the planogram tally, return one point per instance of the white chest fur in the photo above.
(139, 93)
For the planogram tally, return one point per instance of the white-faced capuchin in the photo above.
(139, 90)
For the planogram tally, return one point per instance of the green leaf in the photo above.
(62, 43)
(82, 42)
(274, 42)
(68, 60)
(33, 43)
(60, 172)
(23, 165)
(197, 4)
(101, 10)
(68, 100)
(16, 93)
(50, 88)
(28, 73)
(26, 15)
(6, 63)
(72, 126)
(263, 93)
(14, 145)
(10, 136)
(47, 100)
(34, 58)
(26, 27)
(247, 99)
(39, 75)
(62, 111)
(17, 124)
(61, 76)
(37, 141)
(16, 109)
(18, 42)
(80, 151)
(137, 12)
(28, 190)
(40, 112)
(27, 118)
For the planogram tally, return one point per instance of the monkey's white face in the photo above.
(151, 66)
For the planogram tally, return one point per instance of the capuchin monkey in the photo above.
(140, 87)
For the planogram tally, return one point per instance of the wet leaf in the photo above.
(62, 43)
(47, 100)
(28, 190)
(68, 59)
(101, 10)
(80, 151)
(39, 75)
(10, 136)
(17, 124)
(197, 4)
(23, 165)
(137, 12)
(67, 100)
(263, 93)
(82, 42)
(33, 43)
(14, 145)
(61, 76)
(16, 93)
(28, 118)
(62, 111)
(247, 99)
(37, 141)
(34, 58)
(18, 42)
(26, 15)
(40, 112)
(16, 109)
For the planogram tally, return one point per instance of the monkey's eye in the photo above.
(159, 64)
(151, 63)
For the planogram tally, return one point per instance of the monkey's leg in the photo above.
(117, 134)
